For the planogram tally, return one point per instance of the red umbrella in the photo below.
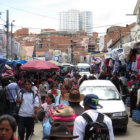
(52, 65)
(35, 65)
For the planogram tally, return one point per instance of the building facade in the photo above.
(117, 36)
(22, 32)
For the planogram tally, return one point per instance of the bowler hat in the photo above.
(60, 130)
(74, 96)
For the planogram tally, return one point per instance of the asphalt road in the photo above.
(133, 132)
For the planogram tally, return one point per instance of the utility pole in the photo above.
(12, 39)
(71, 51)
(120, 37)
(7, 33)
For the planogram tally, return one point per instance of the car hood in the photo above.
(111, 106)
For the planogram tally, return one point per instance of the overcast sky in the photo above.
(45, 13)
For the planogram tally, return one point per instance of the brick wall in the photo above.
(22, 32)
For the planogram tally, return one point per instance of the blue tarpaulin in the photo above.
(2, 64)
(15, 62)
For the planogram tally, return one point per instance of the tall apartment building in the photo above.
(86, 22)
(74, 20)
(69, 21)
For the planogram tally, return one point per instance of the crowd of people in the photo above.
(23, 98)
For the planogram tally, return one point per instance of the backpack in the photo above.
(23, 91)
(17, 106)
(95, 130)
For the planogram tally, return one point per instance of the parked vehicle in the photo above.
(66, 67)
(84, 69)
(110, 99)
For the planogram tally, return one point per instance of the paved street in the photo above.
(133, 132)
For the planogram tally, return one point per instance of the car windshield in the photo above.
(103, 92)
(83, 68)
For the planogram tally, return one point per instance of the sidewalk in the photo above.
(38, 132)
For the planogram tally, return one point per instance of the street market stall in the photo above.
(39, 65)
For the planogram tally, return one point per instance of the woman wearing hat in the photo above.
(74, 98)
(60, 132)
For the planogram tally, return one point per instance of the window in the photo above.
(51, 44)
(91, 48)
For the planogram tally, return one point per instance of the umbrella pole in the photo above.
(38, 78)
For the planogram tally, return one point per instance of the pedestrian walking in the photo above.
(138, 100)
(74, 98)
(12, 91)
(27, 112)
(116, 81)
(46, 107)
(90, 106)
(3, 100)
(54, 90)
(43, 89)
(60, 99)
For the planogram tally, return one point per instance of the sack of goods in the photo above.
(63, 113)
(40, 114)
(136, 116)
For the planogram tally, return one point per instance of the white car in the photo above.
(84, 69)
(110, 99)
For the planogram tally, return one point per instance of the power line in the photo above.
(37, 14)
(111, 24)
(29, 12)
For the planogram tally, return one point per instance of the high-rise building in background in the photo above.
(69, 21)
(74, 20)
(86, 22)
